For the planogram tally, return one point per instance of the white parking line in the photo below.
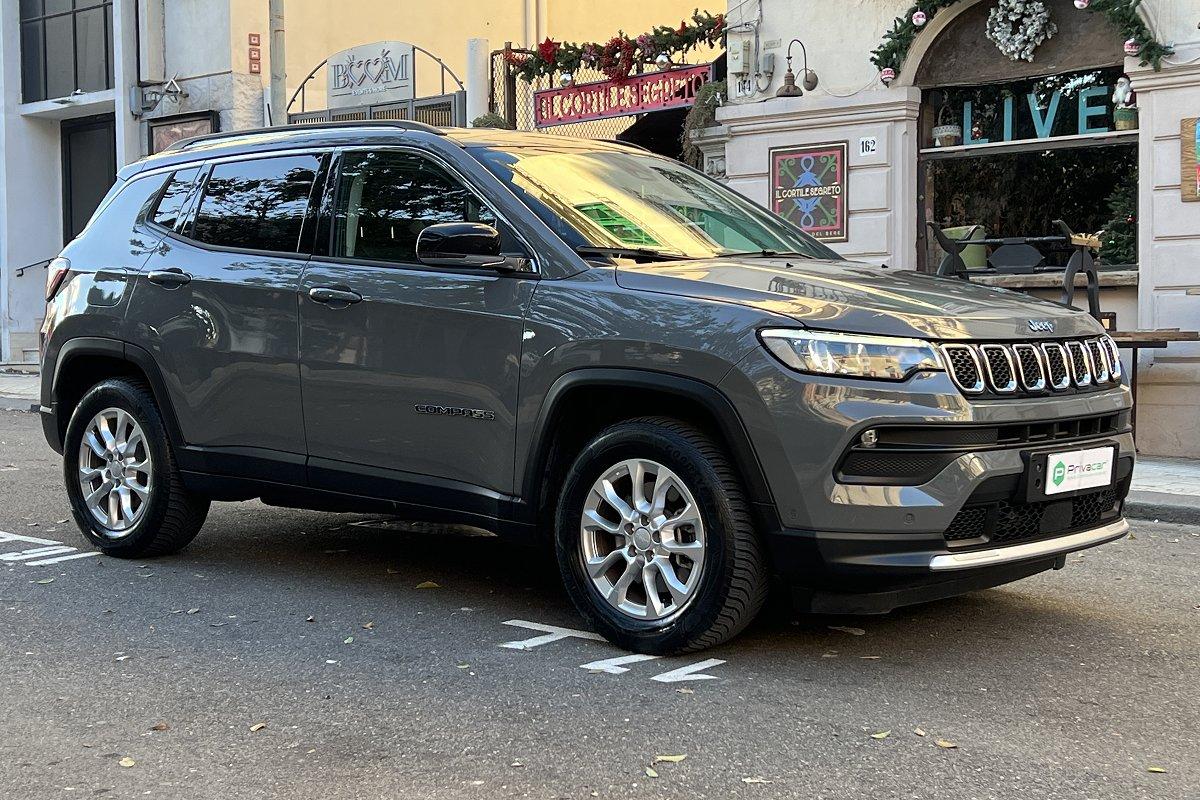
(71, 557)
(553, 634)
(690, 673)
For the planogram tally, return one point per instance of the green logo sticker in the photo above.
(1060, 473)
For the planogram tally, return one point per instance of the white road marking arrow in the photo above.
(613, 666)
(690, 672)
(553, 634)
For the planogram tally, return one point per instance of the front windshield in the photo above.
(626, 200)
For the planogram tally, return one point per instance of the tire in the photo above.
(726, 579)
(163, 520)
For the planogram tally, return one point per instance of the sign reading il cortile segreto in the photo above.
(637, 94)
(370, 74)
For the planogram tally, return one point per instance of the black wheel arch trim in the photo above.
(712, 399)
(114, 348)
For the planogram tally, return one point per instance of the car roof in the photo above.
(358, 133)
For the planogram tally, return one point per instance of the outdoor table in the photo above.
(1138, 340)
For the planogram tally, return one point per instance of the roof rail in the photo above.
(412, 125)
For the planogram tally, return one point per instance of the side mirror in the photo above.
(460, 244)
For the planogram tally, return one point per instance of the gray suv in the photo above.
(578, 345)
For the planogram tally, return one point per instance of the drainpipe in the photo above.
(278, 66)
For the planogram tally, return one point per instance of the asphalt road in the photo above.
(135, 679)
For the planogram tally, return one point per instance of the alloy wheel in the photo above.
(115, 474)
(642, 540)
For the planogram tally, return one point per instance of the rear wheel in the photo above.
(655, 541)
(125, 492)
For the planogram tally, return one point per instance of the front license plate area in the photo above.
(1066, 473)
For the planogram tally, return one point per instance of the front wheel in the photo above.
(655, 542)
(122, 481)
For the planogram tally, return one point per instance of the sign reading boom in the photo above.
(808, 189)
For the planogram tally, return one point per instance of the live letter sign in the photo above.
(637, 94)
(808, 189)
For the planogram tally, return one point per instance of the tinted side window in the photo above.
(256, 205)
(174, 196)
(386, 199)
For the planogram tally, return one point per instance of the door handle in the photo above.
(328, 294)
(170, 278)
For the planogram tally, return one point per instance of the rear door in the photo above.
(410, 384)
(216, 304)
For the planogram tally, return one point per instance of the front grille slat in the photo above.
(1003, 369)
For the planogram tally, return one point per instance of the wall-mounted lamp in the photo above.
(789, 87)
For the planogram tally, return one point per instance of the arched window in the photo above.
(1007, 147)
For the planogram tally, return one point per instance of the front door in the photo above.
(89, 164)
(409, 372)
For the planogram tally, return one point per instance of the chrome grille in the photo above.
(1081, 366)
(1005, 369)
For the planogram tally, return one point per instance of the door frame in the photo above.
(66, 128)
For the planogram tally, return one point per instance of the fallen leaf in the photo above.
(161, 726)
(847, 629)
(755, 779)
(516, 763)
(348, 640)
(368, 626)
(669, 759)
(427, 585)
(464, 666)
(919, 731)
(685, 690)
(258, 726)
(122, 658)
(44, 581)
(126, 762)
(193, 611)
(881, 734)
(870, 658)
(310, 619)
(651, 772)
(946, 744)
(1155, 769)
(391, 571)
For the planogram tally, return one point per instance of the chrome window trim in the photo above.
(1085, 380)
(1009, 387)
(1067, 367)
(978, 387)
(1040, 384)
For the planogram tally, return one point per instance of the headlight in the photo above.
(848, 355)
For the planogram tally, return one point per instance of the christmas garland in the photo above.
(619, 55)
(889, 56)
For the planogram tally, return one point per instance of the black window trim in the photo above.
(185, 210)
(328, 207)
(186, 230)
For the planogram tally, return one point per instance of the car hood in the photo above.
(860, 298)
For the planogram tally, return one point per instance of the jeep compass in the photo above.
(587, 348)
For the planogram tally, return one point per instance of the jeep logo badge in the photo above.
(1041, 326)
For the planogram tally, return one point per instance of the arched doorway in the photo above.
(1008, 146)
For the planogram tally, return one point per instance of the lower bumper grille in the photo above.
(1010, 521)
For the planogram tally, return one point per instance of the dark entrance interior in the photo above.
(89, 165)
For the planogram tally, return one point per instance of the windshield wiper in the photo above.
(631, 252)
(770, 254)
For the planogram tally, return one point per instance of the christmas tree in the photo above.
(1120, 234)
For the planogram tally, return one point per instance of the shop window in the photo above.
(1009, 159)
(65, 46)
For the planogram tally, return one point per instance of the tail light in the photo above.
(56, 274)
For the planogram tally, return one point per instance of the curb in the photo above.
(1163, 507)
(17, 404)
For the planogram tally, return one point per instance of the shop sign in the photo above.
(638, 94)
(370, 74)
(808, 188)
(1191, 160)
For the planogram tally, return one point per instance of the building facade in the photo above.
(961, 137)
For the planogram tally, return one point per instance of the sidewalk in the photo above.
(1165, 489)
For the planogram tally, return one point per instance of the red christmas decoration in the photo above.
(616, 59)
(547, 50)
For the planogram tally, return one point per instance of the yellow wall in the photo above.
(317, 28)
